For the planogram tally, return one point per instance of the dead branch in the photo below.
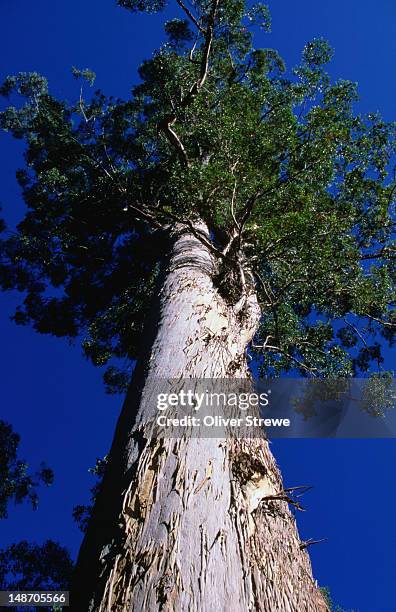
(282, 496)
(309, 542)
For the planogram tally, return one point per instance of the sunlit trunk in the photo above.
(184, 524)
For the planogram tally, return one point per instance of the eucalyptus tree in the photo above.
(226, 205)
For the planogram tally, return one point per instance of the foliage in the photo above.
(375, 394)
(329, 601)
(178, 32)
(86, 74)
(26, 566)
(82, 513)
(16, 483)
(379, 395)
(327, 596)
(297, 189)
(23, 565)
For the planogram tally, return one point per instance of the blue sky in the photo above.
(55, 399)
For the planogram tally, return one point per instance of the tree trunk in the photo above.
(167, 532)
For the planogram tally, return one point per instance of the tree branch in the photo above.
(309, 542)
(300, 364)
(169, 120)
(385, 253)
(357, 332)
(380, 321)
(191, 16)
(166, 125)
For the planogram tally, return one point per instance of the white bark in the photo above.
(197, 533)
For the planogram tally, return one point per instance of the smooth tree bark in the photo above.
(192, 523)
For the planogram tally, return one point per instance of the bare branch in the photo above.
(166, 126)
(231, 241)
(145, 215)
(309, 542)
(282, 496)
(384, 253)
(192, 50)
(167, 123)
(191, 16)
(380, 321)
(233, 205)
(81, 105)
(357, 332)
(263, 346)
(298, 362)
(236, 231)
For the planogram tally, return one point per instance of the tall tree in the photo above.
(225, 201)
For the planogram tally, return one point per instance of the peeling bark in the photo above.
(191, 524)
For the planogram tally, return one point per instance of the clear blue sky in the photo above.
(55, 399)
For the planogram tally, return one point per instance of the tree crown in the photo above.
(297, 189)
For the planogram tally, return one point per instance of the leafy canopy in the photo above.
(25, 566)
(297, 189)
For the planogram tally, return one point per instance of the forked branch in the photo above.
(167, 123)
